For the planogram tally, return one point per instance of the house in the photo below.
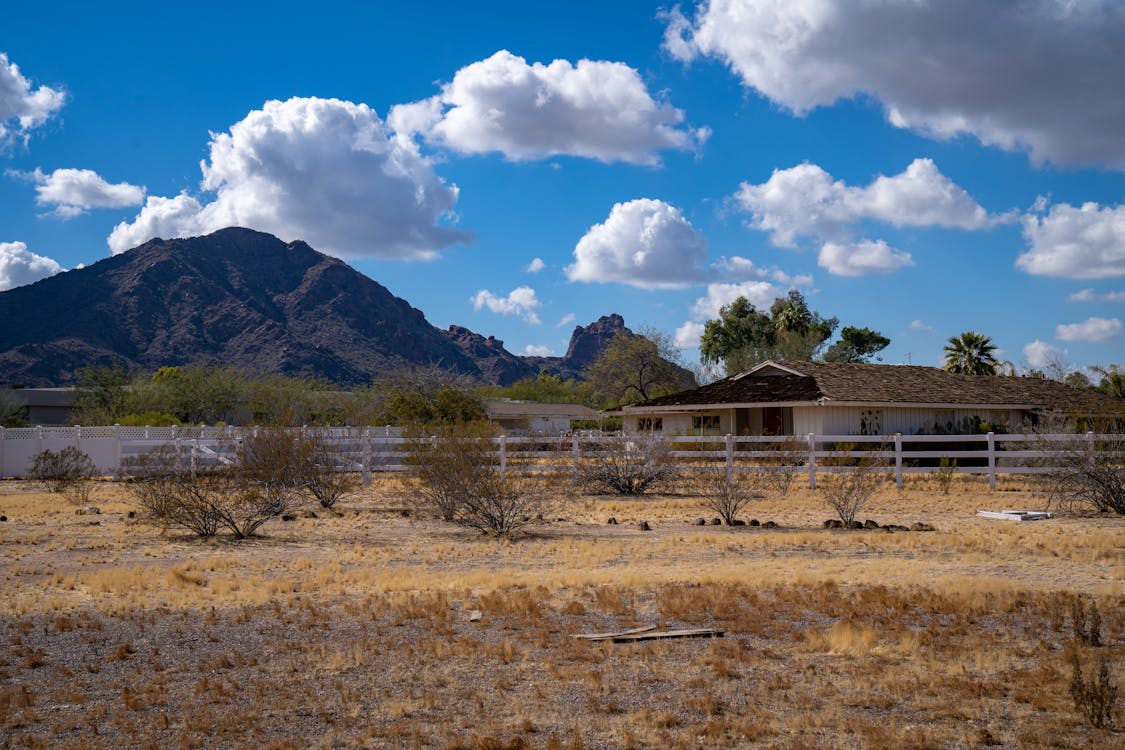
(531, 418)
(832, 398)
(44, 406)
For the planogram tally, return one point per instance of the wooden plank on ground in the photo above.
(617, 634)
(654, 635)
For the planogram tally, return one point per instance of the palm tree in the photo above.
(971, 353)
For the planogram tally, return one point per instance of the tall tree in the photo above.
(856, 345)
(742, 336)
(101, 394)
(638, 366)
(1113, 380)
(971, 353)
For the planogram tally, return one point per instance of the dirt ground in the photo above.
(359, 628)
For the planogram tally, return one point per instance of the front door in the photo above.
(773, 421)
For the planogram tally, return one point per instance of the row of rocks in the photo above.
(835, 523)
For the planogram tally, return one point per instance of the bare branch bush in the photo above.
(503, 504)
(1088, 474)
(781, 463)
(1094, 697)
(266, 480)
(627, 466)
(65, 471)
(328, 479)
(727, 496)
(856, 479)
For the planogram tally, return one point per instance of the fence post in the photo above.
(1, 452)
(117, 452)
(78, 436)
(575, 457)
(503, 455)
(812, 461)
(898, 460)
(991, 460)
(39, 439)
(730, 457)
(368, 439)
(1090, 447)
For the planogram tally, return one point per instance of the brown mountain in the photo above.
(245, 299)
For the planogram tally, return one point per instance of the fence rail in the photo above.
(369, 450)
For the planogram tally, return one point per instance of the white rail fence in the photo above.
(368, 450)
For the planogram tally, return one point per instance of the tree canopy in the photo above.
(638, 366)
(856, 345)
(971, 353)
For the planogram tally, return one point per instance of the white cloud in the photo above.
(1091, 329)
(1076, 243)
(689, 335)
(862, 258)
(322, 170)
(804, 201)
(595, 109)
(22, 107)
(533, 350)
(521, 302)
(19, 266)
(535, 266)
(1089, 295)
(644, 243)
(1040, 354)
(1005, 72)
(74, 191)
(760, 294)
(565, 320)
(918, 325)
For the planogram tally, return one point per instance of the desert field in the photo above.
(374, 627)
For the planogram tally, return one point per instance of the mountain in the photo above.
(247, 300)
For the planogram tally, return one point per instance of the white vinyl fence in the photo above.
(368, 450)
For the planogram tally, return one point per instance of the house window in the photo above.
(705, 423)
(650, 424)
(871, 422)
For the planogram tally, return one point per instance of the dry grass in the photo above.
(353, 629)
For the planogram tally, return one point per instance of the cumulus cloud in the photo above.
(521, 301)
(1089, 295)
(534, 350)
(1087, 242)
(1040, 354)
(644, 243)
(918, 325)
(689, 335)
(1091, 329)
(862, 258)
(565, 320)
(23, 107)
(760, 294)
(72, 192)
(322, 170)
(535, 266)
(1005, 72)
(19, 266)
(594, 109)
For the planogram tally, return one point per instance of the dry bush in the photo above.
(848, 489)
(629, 466)
(66, 471)
(1087, 622)
(781, 463)
(947, 467)
(1089, 474)
(326, 478)
(265, 481)
(726, 494)
(1094, 698)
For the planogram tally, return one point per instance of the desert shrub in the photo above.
(947, 467)
(66, 471)
(1094, 697)
(848, 489)
(1088, 474)
(727, 496)
(1087, 623)
(628, 466)
(265, 480)
(327, 480)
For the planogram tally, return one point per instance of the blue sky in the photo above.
(919, 168)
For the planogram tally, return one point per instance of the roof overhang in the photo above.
(825, 402)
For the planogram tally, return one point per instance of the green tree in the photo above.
(101, 394)
(11, 408)
(195, 394)
(1112, 380)
(743, 336)
(638, 366)
(971, 353)
(545, 388)
(856, 345)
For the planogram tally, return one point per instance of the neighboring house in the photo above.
(530, 418)
(830, 398)
(46, 406)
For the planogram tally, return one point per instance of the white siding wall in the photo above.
(845, 420)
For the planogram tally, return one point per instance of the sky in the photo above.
(919, 168)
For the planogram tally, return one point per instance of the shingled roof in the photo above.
(843, 383)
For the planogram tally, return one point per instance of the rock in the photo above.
(310, 514)
(612, 521)
(91, 510)
(288, 517)
(769, 525)
(131, 514)
(919, 526)
(643, 526)
(754, 522)
(716, 522)
(474, 615)
(700, 522)
(855, 525)
(869, 524)
(3, 519)
(833, 523)
(95, 523)
(738, 522)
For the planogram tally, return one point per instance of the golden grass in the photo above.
(354, 629)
